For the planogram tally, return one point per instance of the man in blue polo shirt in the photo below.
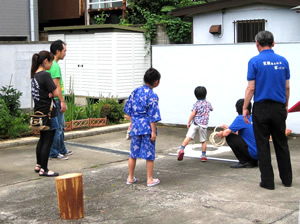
(240, 138)
(268, 80)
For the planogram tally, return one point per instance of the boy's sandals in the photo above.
(155, 182)
(48, 173)
(37, 168)
(133, 181)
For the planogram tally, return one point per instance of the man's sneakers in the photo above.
(180, 155)
(68, 153)
(61, 157)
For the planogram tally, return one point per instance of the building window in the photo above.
(246, 30)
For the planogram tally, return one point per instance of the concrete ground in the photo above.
(190, 191)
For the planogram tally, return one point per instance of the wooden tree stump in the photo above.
(70, 196)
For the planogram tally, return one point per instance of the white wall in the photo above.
(222, 69)
(15, 65)
(282, 22)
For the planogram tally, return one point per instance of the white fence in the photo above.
(222, 69)
(103, 64)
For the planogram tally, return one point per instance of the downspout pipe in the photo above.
(32, 30)
(87, 15)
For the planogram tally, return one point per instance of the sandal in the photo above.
(48, 173)
(133, 181)
(155, 182)
(37, 168)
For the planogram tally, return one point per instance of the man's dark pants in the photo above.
(239, 148)
(269, 119)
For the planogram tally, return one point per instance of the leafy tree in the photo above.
(155, 7)
(150, 13)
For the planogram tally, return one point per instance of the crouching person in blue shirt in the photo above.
(143, 112)
(240, 138)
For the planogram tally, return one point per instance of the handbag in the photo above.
(40, 121)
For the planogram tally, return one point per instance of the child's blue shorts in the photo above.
(142, 147)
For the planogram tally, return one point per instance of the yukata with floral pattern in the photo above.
(142, 107)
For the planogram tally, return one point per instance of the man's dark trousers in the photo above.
(269, 119)
(239, 148)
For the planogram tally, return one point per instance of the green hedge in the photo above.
(13, 122)
(107, 107)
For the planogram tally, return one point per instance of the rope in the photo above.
(212, 138)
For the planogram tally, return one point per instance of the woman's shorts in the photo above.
(142, 147)
(193, 130)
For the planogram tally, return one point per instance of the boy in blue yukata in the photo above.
(143, 112)
(198, 121)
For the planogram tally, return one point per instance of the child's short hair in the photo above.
(151, 76)
(239, 106)
(200, 92)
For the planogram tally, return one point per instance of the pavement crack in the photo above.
(20, 182)
(285, 216)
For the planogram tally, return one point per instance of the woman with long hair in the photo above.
(43, 89)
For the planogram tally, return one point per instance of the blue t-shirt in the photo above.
(246, 132)
(142, 107)
(270, 72)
